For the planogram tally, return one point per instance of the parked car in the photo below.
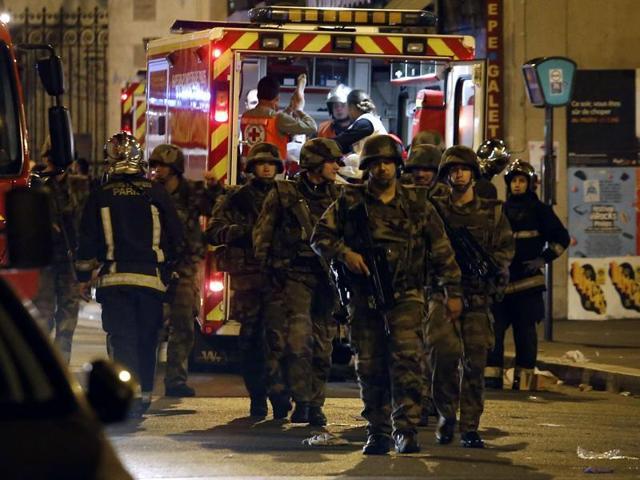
(49, 427)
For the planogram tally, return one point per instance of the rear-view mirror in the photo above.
(61, 134)
(51, 75)
(29, 228)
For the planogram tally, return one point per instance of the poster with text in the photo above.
(604, 288)
(602, 211)
(601, 119)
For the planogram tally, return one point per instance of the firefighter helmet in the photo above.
(123, 154)
(520, 167)
(380, 147)
(493, 157)
(337, 94)
(317, 151)
(424, 156)
(264, 152)
(169, 155)
(458, 155)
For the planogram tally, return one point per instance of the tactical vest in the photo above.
(256, 129)
(480, 221)
(378, 129)
(291, 247)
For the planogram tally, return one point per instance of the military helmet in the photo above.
(424, 156)
(169, 155)
(493, 156)
(123, 154)
(337, 94)
(264, 152)
(380, 147)
(458, 155)
(520, 167)
(426, 137)
(317, 151)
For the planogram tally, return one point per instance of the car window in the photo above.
(22, 378)
(33, 383)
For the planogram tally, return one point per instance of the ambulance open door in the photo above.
(466, 98)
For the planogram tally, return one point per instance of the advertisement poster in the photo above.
(604, 288)
(602, 211)
(601, 119)
(604, 261)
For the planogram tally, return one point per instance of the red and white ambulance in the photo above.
(198, 79)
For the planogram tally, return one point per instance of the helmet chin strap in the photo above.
(461, 189)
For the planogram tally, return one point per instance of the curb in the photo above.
(609, 378)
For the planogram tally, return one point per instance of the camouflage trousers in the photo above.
(248, 304)
(425, 364)
(58, 305)
(181, 312)
(299, 331)
(464, 342)
(388, 366)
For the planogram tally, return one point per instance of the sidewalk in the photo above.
(611, 349)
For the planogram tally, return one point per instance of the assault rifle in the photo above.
(471, 257)
(380, 282)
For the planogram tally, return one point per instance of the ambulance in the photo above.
(199, 77)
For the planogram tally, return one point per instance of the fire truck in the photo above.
(14, 161)
(197, 82)
(133, 109)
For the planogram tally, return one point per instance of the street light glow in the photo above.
(5, 17)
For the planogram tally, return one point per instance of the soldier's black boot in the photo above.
(445, 430)
(471, 440)
(406, 442)
(281, 406)
(317, 418)
(300, 413)
(258, 407)
(493, 383)
(180, 390)
(377, 445)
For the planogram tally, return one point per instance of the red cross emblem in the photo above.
(254, 134)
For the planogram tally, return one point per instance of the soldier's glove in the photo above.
(533, 266)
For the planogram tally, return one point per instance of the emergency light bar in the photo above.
(343, 16)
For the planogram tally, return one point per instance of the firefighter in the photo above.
(493, 157)
(404, 226)
(230, 230)
(57, 297)
(534, 224)
(265, 124)
(472, 336)
(337, 107)
(130, 231)
(299, 343)
(362, 112)
(183, 298)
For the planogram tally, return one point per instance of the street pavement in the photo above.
(531, 435)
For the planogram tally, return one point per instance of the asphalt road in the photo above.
(528, 435)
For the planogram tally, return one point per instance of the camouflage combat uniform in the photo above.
(191, 200)
(388, 366)
(230, 227)
(472, 335)
(299, 344)
(57, 299)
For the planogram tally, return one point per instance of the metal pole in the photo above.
(549, 192)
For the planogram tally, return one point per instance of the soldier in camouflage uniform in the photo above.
(230, 228)
(57, 298)
(486, 222)
(299, 344)
(191, 201)
(422, 168)
(407, 229)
